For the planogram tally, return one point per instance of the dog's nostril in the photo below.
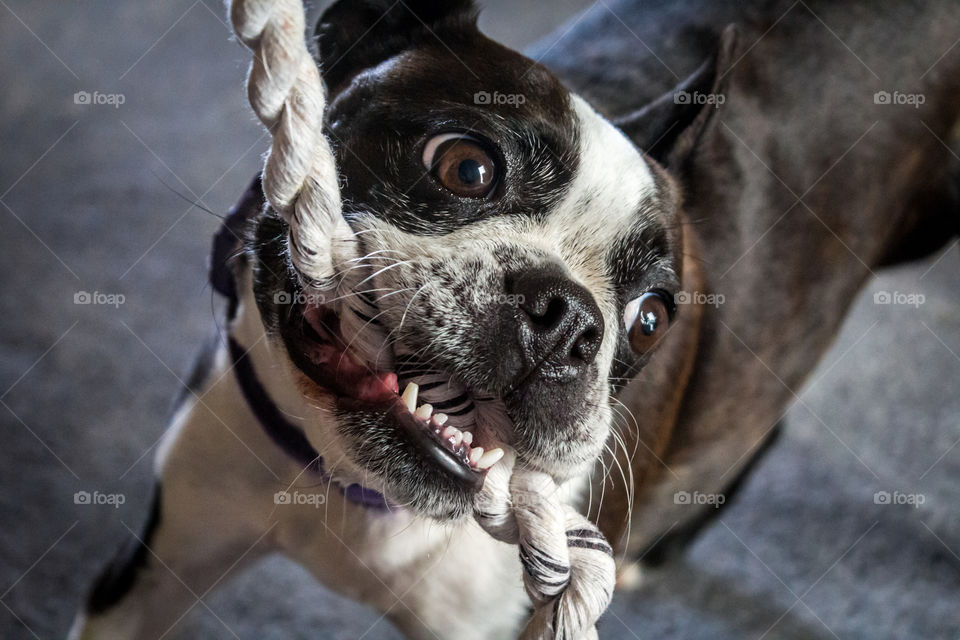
(550, 316)
(559, 322)
(587, 345)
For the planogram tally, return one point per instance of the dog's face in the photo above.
(503, 228)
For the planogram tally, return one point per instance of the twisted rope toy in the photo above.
(568, 567)
(299, 175)
(569, 570)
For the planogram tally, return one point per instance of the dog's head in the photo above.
(504, 229)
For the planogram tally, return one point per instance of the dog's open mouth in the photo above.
(330, 362)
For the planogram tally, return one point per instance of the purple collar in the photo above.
(287, 436)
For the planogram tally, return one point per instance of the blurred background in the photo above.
(105, 299)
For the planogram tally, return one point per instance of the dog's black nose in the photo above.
(559, 324)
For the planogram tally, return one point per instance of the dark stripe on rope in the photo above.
(544, 559)
(597, 546)
(585, 533)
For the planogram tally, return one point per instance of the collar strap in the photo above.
(281, 431)
(286, 435)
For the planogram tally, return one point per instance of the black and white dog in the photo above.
(506, 230)
(502, 240)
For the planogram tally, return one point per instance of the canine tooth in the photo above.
(409, 396)
(440, 418)
(489, 458)
(424, 411)
(475, 454)
(467, 438)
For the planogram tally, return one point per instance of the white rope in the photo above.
(569, 570)
(299, 175)
(568, 566)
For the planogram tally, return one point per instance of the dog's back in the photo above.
(832, 153)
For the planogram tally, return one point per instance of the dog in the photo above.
(539, 241)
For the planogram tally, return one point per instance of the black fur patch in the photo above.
(200, 371)
(380, 121)
(119, 576)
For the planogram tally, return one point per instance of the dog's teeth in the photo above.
(467, 438)
(424, 411)
(453, 435)
(489, 458)
(440, 418)
(409, 396)
(475, 454)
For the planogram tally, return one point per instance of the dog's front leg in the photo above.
(160, 575)
(209, 519)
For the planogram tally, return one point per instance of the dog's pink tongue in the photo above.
(367, 385)
(378, 387)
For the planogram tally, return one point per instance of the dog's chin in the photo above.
(414, 471)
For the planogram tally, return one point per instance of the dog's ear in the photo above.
(353, 35)
(669, 128)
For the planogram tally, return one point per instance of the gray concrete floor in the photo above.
(88, 203)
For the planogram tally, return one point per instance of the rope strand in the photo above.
(568, 567)
(299, 175)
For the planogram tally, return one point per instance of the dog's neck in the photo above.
(273, 398)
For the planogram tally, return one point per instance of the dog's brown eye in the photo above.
(647, 319)
(461, 164)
